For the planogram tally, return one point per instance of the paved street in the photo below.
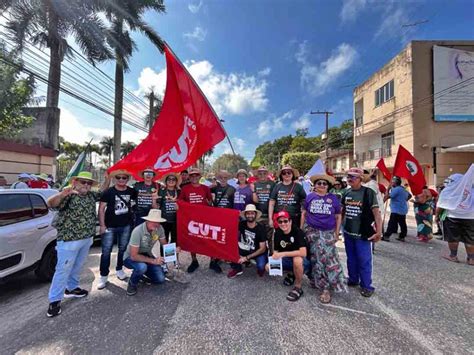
(423, 304)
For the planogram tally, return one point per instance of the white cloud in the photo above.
(392, 21)
(317, 78)
(302, 123)
(233, 93)
(274, 124)
(194, 8)
(198, 34)
(351, 9)
(265, 72)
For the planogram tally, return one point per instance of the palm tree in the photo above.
(202, 159)
(107, 147)
(126, 147)
(123, 16)
(157, 103)
(48, 23)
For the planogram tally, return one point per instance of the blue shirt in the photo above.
(398, 200)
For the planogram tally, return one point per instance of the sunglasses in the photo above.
(337, 184)
(148, 174)
(85, 182)
(287, 172)
(352, 178)
(171, 179)
(283, 221)
(121, 177)
(321, 183)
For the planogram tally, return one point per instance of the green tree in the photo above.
(15, 93)
(126, 16)
(231, 163)
(69, 150)
(107, 147)
(156, 108)
(302, 161)
(49, 23)
(126, 148)
(342, 137)
(270, 153)
(302, 132)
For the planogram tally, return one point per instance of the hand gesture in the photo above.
(375, 238)
(154, 194)
(68, 191)
(276, 255)
(242, 260)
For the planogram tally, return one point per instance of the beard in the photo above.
(250, 219)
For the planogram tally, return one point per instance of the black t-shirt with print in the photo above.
(250, 238)
(263, 191)
(288, 198)
(224, 196)
(144, 196)
(289, 242)
(119, 210)
(167, 202)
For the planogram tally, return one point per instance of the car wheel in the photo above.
(47, 264)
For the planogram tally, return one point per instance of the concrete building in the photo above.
(338, 160)
(396, 106)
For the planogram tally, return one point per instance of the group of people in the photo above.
(277, 219)
(30, 181)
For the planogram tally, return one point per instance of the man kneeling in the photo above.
(289, 244)
(140, 253)
(252, 238)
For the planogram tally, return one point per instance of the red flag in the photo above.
(208, 231)
(383, 168)
(406, 166)
(186, 128)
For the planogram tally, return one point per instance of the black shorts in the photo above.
(459, 230)
(171, 232)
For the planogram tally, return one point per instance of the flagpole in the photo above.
(205, 98)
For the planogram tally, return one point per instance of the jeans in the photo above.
(260, 259)
(154, 272)
(71, 258)
(122, 234)
(393, 223)
(359, 261)
(287, 264)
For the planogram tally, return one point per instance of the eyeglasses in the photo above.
(321, 183)
(283, 221)
(85, 182)
(148, 174)
(171, 179)
(287, 172)
(121, 177)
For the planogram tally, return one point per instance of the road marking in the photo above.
(350, 310)
(404, 326)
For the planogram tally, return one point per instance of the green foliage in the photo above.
(270, 153)
(302, 161)
(126, 148)
(69, 150)
(231, 163)
(302, 132)
(15, 93)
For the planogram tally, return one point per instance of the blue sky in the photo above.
(266, 64)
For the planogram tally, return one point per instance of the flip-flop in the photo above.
(450, 258)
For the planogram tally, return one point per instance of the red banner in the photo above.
(208, 231)
(406, 166)
(383, 168)
(186, 128)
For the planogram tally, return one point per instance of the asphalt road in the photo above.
(423, 304)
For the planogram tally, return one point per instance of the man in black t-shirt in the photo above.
(223, 193)
(251, 242)
(261, 196)
(290, 245)
(144, 190)
(115, 218)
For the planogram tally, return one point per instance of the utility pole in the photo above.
(326, 113)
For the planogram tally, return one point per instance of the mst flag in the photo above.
(208, 231)
(406, 166)
(383, 168)
(186, 128)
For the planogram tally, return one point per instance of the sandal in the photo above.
(470, 262)
(325, 297)
(289, 280)
(295, 294)
(454, 259)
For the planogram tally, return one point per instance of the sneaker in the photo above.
(193, 266)
(352, 284)
(76, 293)
(386, 239)
(234, 273)
(54, 309)
(131, 289)
(121, 275)
(213, 265)
(102, 282)
(261, 273)
(366, 293)
(401, 239)
(145, 280)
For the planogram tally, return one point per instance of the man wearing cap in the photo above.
(398, 210)
(39, 181)
(197, 194)
(144, 191)
(223, 193)
(139, 255)
(75, 225)
(252, 242)
(261, 196)
(289, 244)
(360, 210)
(22, 182)
(115, 218)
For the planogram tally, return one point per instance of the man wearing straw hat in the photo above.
(75, 224)
(139, 255)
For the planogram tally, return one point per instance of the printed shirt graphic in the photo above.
(168, 205)
(144, 240)
(144, 200)
(286, 201)
(263, 191)
(242, 197)
(352, 202)
(224, 196)
(199, 195)
(250, 238)
(289, 242)
(117, 212)
(321, 211)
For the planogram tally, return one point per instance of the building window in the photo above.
(343, 163)
(334, 164)
(388, 139)
(385, 93)
(359, 121)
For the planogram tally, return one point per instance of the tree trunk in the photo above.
(54, 76)
(118, 108)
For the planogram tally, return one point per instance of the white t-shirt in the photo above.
(19, 185)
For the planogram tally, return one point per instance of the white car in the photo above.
(27, 238)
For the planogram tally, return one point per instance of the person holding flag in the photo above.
(398, 210)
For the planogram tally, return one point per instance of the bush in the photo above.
(302, 161)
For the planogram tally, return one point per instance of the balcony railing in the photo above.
(373, 154)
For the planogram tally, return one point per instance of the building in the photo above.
(422, 99)
(338, 160)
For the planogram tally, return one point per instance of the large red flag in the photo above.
(208, 231)
(383, 168)
(186, 128)
(406, 166)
